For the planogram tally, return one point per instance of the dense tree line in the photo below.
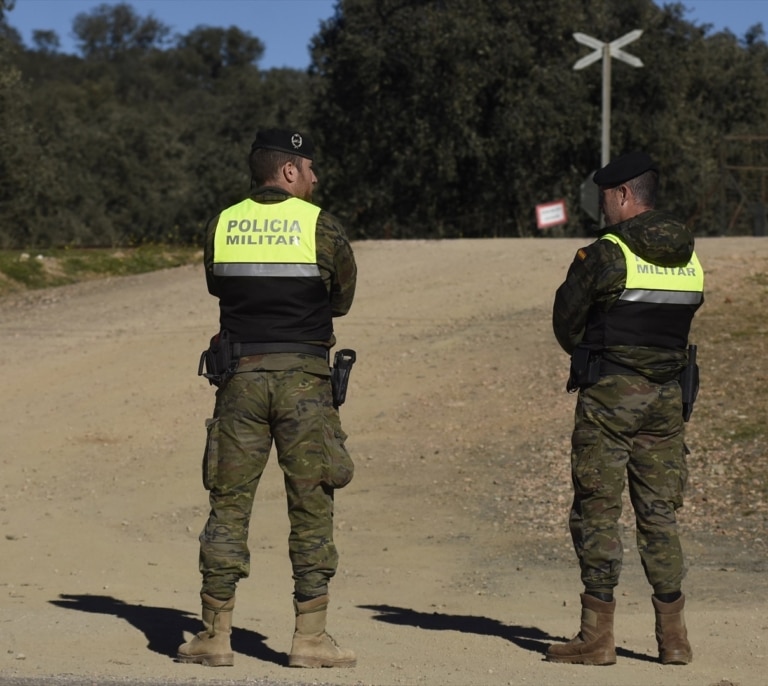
(433, 118)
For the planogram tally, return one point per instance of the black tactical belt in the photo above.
(243, 349)
(607, 368)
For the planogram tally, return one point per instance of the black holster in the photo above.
(689, 383)
(342, 367)
(217, 363)
(585, 369)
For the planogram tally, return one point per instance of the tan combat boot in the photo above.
(311, 646)
(211, 647)
(593, 645)
(671, 634)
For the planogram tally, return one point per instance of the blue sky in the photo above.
(286, 26)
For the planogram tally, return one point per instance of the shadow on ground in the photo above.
(525, 637)
(164, 627)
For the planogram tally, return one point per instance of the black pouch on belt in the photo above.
(689, 383)
(342, 366)
(217, 363)
(585, 369)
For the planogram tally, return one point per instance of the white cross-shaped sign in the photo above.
(614, 49)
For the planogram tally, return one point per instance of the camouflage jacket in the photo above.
(335, 260)
(597, 278)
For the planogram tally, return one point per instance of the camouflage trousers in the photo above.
(628, 429)
(294, 408)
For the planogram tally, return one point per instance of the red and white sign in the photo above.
(551, 214)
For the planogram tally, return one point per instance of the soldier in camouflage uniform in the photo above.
(625, 311)
(282, 269)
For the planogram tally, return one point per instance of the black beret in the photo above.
(292, 142)
(624, 168)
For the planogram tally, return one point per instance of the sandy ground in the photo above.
(456, 566)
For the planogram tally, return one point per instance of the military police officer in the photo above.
(624, 314)
(282, 268)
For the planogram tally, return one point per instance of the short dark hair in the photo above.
(265, 164)
(645, 188)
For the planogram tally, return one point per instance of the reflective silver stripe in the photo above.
(662, 297)
(265, 269)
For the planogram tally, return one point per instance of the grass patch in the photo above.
(28, 272)
(740, 431)
(22, 270)
(748, 431)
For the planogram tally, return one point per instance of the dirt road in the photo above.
(456, 566)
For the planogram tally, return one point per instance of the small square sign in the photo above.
(551, 214)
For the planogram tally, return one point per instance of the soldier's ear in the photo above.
(624, 193)
(289, 172)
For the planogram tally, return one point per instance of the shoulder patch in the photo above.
(581, 254)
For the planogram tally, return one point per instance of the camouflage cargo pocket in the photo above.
(682, 482)
(586, 459)
(211, 454)
(338, 467)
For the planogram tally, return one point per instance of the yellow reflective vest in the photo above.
(267, 278)
(275, 239)
(646, 282)
(656, 307)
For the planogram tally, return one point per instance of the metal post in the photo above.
(606, 146)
